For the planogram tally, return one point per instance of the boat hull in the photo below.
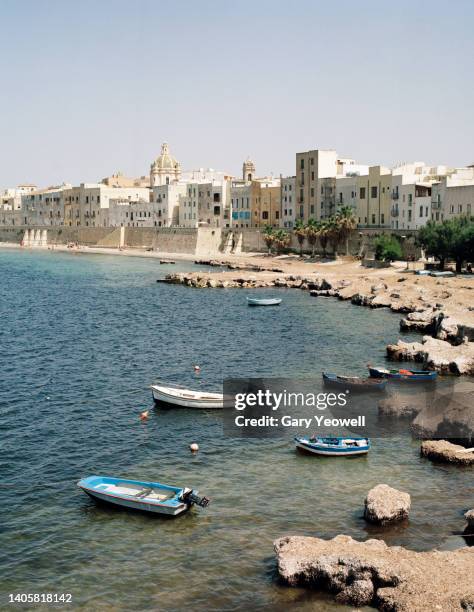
(363, 385)
(317, 449)
(263, 301)
(176, 398)
(130, 505)
(416, 375)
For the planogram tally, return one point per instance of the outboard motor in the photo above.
(189, 497)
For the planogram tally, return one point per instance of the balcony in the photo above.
(435, 204)
(395, 195)
(395, 211)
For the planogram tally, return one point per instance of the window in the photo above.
(373, 192)
(362, 194)
(373, 219)
(312, 176)
(265, 214)
(301, 164)
(312, 161)
(312, 209)
(312, 192)
(382, 218)
(421, 211)
(409, 215)
(277, 214)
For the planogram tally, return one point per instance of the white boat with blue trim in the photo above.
(263, 301)
(140, 495)
(334, 446)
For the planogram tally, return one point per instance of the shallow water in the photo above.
(82, 337)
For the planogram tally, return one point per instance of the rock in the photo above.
(359, 299)
(379, 287)
(371, 573)
(447, 328)
(401, 406)
(469, 516)
(420, 321)
(211, 283)
(401, 279)
(382, 300)
(446, 452)
(437, 354)
(384, 504)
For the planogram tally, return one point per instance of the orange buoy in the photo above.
(144, 415)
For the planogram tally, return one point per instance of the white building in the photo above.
(411, 194)
(288, 201)
(205, 204)
(453, 195)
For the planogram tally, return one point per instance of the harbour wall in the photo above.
(201, 241)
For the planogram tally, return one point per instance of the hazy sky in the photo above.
(95, 86)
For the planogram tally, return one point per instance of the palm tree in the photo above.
(300, 233)
(281, 240)
(269, 237)
(332, 230)
(347, 223)
(311, 232)
(323, 235)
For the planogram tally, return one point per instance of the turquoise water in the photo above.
(82, 337)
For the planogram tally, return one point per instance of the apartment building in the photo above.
(374, 197)
(453, 195)
(288, 201)
(311, 166)
(205, 204)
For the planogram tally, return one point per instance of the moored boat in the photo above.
(403, 374)
(145, 496)
(186, 398)
(263, 301)
(354, 383)
(334, 446)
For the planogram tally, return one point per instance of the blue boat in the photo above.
(263, 301)
(140, 495)
(354, 383)
(402, 374)
(334, 446)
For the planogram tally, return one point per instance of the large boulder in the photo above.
(469, 516)
(372, 573)
(384, 504)
(436, 354)
(446, 452)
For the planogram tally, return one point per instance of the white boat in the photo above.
(334, 446)
(263, 301)
(145, 496)
(186, 398)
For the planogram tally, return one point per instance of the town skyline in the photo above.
(223, 82)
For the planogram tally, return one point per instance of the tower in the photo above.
(248, 170)
(165, 169)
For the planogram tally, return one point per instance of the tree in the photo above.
(300, 233)
(462, 240)
(269, 237)
(281, 240)
(347, 223)
(387, 248)
(333, 233)
(323, 235)
(437, 239)
(311, 232)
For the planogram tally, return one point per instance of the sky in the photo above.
(93, 87)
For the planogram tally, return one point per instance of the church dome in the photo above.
(165, 161)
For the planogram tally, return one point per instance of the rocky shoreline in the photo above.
(390, 578)
(439, 308)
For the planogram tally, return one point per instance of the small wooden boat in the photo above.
(186, 398)
(145, 496)
(263, 301)
(354, 383)
(402, 374)
(334, 446)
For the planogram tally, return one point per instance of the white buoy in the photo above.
(197, 368)
(194, 447)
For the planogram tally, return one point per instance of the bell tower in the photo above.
(248, 170)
